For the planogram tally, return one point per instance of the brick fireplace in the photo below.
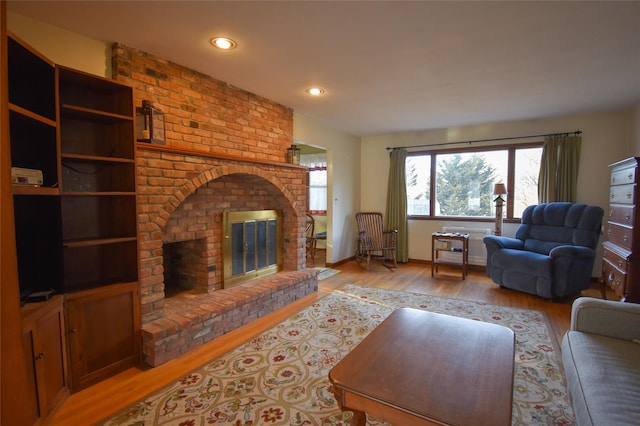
(225, 151)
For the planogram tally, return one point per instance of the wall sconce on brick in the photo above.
(150, 124)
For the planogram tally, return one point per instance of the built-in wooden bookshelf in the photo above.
(76, 231)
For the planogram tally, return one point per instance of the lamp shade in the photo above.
(499, 189)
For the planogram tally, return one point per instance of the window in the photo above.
(459, 183)
(317, 178)
(527, 167)
(418, 176)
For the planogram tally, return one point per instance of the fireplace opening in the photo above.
(184, 267)
(252, 245)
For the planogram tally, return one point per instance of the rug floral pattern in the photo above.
(280, 377)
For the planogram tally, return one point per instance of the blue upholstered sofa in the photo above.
(552, 253)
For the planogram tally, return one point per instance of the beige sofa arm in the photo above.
(606, 317)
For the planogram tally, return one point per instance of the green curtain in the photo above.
(396, 213)
(558, 178)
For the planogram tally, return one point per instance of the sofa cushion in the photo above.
(603, 378)
(540, 246)
(523, 262)
(561, 223)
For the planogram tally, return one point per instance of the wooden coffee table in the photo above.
(423, 368)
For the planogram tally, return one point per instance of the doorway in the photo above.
(315, 158)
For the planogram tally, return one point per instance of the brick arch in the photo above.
(168, 181)
(191, 186)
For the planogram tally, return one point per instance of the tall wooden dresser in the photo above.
(621, 258)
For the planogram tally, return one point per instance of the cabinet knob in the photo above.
(625, 238)
(628, 195)
(630, 176)
(627, 216)
(74, 330)
(610, 213)
(40, 355)
(620, 263)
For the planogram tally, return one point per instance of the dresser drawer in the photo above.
(623, 194)
(614, 278)
(615, 259)
(621, 177)
(622, 214)
(620, 235)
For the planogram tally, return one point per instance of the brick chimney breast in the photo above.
(225, 151)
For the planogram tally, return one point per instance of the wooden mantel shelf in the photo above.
(164, 148)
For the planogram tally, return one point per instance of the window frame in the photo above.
(511, 164)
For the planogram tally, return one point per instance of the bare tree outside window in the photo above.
(418, 175)
(526, 179)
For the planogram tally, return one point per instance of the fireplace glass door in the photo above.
(252, 245)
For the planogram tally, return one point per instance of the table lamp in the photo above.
(499, 189)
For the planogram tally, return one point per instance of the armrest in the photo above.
(606, 317)
(389, 238)
(494, 242)
(573, 252)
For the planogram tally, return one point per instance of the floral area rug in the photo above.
(281, 376)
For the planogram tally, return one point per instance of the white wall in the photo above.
(636, 130)
(607, 137)
(343, 183)
(63, 47)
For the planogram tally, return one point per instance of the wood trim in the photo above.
(194, 153)
(13, 387)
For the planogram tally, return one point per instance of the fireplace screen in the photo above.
(252, 243)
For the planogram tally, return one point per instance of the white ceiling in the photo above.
(388, 66)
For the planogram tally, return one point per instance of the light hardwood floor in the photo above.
(99, 401)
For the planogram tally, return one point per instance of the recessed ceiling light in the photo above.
(223, 43)
(315, 91)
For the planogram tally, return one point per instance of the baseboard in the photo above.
(340, 262)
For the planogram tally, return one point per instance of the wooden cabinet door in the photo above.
(50, 348)
(44, 340)
(104, 332)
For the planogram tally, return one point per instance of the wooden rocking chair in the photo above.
(374, 242)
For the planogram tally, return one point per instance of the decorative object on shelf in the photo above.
(150, 124)
(293, 154)
(499, 189)
(22, 176)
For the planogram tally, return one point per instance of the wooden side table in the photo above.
(448, 237)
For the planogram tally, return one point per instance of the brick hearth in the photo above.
(191, 320)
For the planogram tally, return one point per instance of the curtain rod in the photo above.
(577, 132)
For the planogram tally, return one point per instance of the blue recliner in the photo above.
(553, 252)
